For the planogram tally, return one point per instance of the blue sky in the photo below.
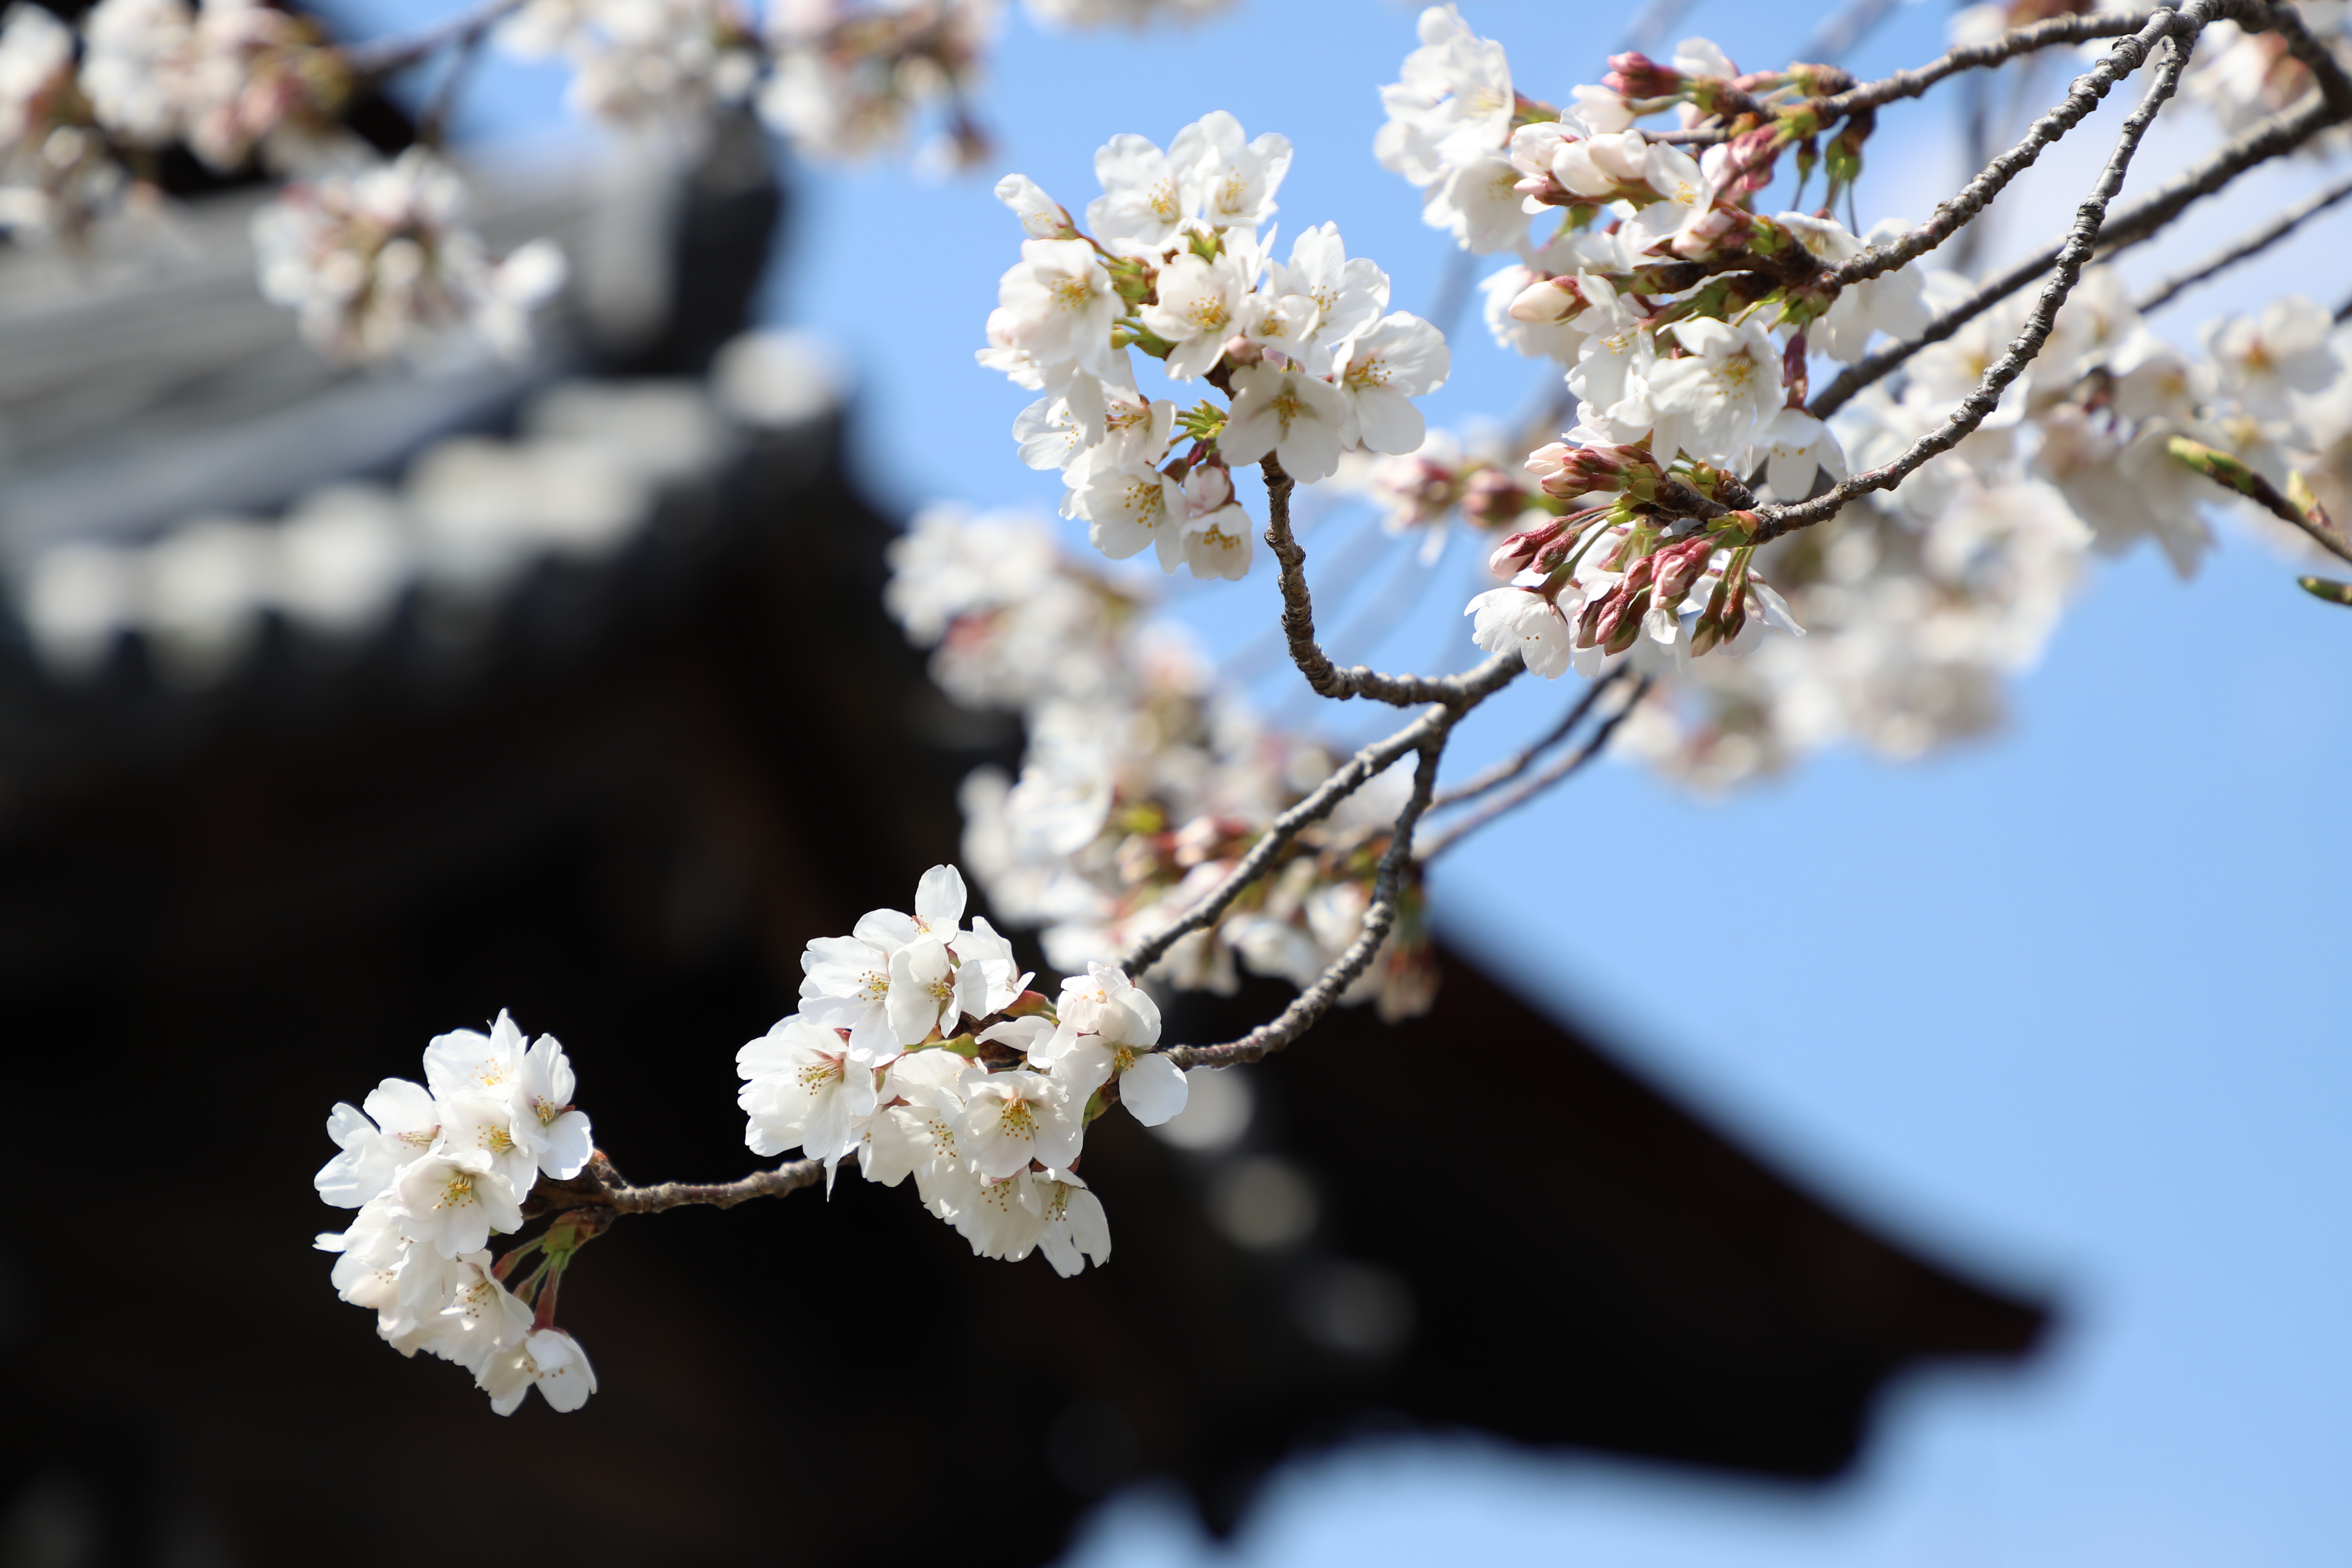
(2066, 1006)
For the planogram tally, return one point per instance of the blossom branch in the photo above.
(1558, 772)
(1380, 915)
(599, 1187)
(1430, 730)
(1298, 624)
(2272, 137)
(2080, 243)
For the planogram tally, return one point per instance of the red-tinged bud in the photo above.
(1547, 191)
(1753, 155)
(1629, 624)
(1493, 498)
(1570, 471)
(1679, 566)
(1588, 625)
(1636, 75)
(1514, 554)
(1792, 369)
(1722, 230)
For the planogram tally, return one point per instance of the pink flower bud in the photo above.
(1679, 566)
(1493, 498)
(1636, 75)
(1514, 554)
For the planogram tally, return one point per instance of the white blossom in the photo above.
(1013, 1118)
(1223, 179)
(803, 1089)
(1518, 616)
(1073, 1230)
(1378, 372)
(1059, 304)
(547, 1359)
(1199, 307)
(400, 1123)
(1297, 417)
(452, 1202)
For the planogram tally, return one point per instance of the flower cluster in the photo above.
(1143, 784)
(435, 1169)
(1311, 358)
(1688, 323)
(377, 263)
(919, 1048)
(847, 79)
(56, 176)
(669, 63)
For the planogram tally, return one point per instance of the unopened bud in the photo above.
(1753, 154)
(1679, 566)
(1548, 302)
(1636, 75)
(1628, 626)
(1493, 498)
(1514, 554)
(2326, 588)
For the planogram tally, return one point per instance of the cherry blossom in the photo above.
(547, 1359)
(1012, 1118)
(803, 1089)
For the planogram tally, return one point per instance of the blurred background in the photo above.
(2048, 1025)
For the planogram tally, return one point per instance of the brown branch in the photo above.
(2262, 240)
(1380, 915)
(2280, 134)
(1511, 767)
(384, 56)
(2335, 86)
(1428, 730)
(2082, 97)
(600, 1186)
(1298, 624)
(2089, 218)
(2025, 40)
(1561, 770)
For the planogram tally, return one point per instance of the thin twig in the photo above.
(1379, 915)
(2335, 86)
(433, 125)
(2262, 240)
(2089, 218)
(1299, 623)
(790, 1176)
(2280, 134)
(600, 1186)
(386, 57)
(2082, 97)
(2025, 40)
(1561, 770)
(1430, 730)
(1511, 767)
